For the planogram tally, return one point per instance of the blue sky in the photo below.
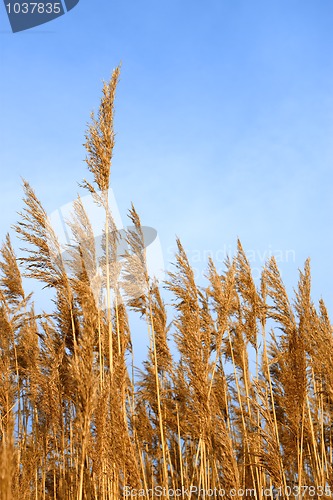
(224, 122)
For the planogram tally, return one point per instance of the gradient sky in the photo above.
(224, 122)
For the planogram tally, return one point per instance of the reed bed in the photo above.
(195, 421)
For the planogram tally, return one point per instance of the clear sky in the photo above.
(224, 122)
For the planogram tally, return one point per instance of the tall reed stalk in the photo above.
(79, 421)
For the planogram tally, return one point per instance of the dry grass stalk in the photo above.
(76, 424)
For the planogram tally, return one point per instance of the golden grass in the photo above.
(76, 424)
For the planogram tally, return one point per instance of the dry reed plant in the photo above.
(195, 421)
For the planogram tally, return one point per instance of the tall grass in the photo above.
(74, 421)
